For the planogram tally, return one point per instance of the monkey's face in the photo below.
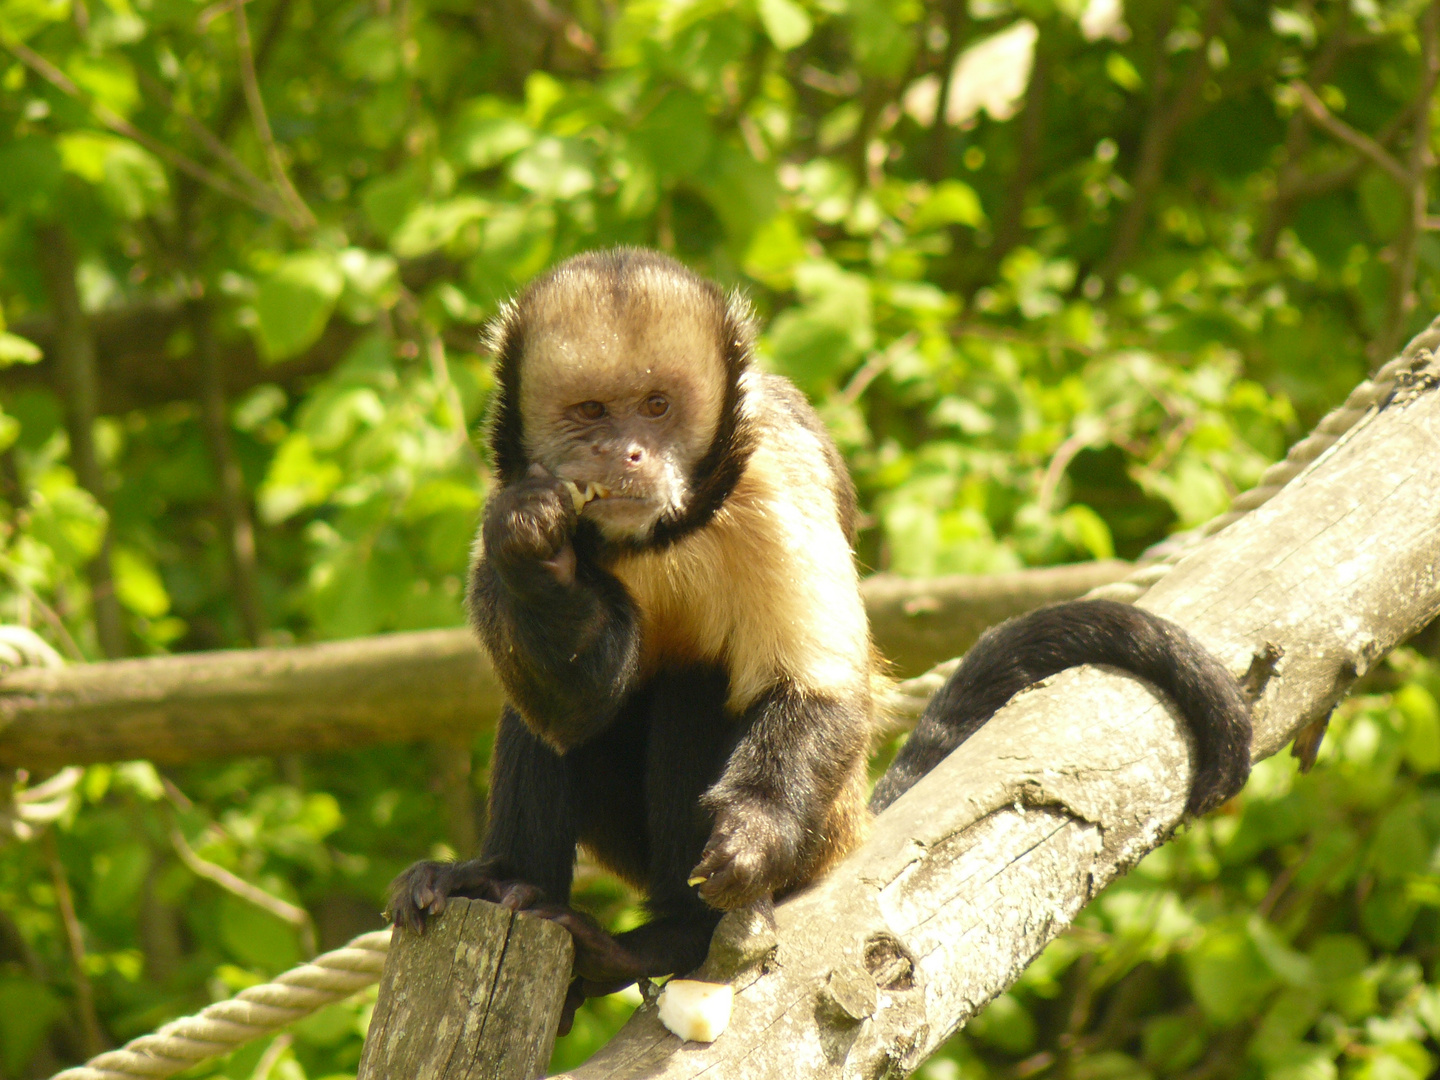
(622, 397)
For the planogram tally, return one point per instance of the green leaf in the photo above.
(676, 135)
(372, 51)
(1005, 1025)
(108, 78)
(27, 1009)
(786, 22)
(1170, 1043)
(131, 179)
(1422, 727)
(33, 174)
(1086, 529)
(951, 202)
(295, 301)
(118, 872)
(555, 168)
(137, 584)
(296, 480)
(482, 142)
(255, 937)
(15, 349)
(1227, 975)
(435, 225)
(1122, 72)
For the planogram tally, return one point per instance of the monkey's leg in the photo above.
(529, 852)
(637, 792)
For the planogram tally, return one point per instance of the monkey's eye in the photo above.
(589, 410)
(656, 405)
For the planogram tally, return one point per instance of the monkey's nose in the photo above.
(635, 456)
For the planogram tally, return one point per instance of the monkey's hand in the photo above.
(751, 853)
(528, 527)
(422, 890)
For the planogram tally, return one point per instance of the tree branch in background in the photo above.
(208, 139)
(1412, 175)
(299, 215)
(424, 685)
(937, 165)
(283, 910)
(1164, 123)
(235, 516)
(1290, 184)
(75, 371)
(118, 124)
(94, 1035)
(1401, 302)
(1356, 140)
(1009, 227)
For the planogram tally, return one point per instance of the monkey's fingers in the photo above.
(732, 877)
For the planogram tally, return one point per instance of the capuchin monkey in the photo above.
(664, 582)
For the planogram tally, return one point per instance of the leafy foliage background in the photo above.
(1062, 277)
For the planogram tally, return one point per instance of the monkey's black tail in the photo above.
(1026, 649)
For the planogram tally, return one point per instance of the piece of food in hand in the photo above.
(696, 1011)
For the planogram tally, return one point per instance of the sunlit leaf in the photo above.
(295, 301)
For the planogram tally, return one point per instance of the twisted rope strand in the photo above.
(255, 1011)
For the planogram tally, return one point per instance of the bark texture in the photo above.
(433, 684)
(475, 997)
(973, 871)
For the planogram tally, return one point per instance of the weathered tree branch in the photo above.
(432, 684)
(76, 380)
(971, 873)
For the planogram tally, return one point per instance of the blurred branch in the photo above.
(1292, 183)
(94, 1036)
(75, 371)
(299, 215)
(1357, 140)
(1164, 123)
(118, 124)
(936, 165)
(1401, 302)
(212, 142)
(1009, 228)
(234, 499)
(283, 910)
(425, 685)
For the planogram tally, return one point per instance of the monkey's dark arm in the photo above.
(562, 632)
(1026, 649)
(771, 802)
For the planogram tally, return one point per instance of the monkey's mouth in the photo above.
(581, 496)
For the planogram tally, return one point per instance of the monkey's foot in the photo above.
(421, 891)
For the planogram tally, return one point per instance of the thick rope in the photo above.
(333, 976)
(258, 1010)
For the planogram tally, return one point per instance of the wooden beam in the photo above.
(403, 687)
(477, 996)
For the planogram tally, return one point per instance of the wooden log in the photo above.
(475, 997)
(430, 684)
